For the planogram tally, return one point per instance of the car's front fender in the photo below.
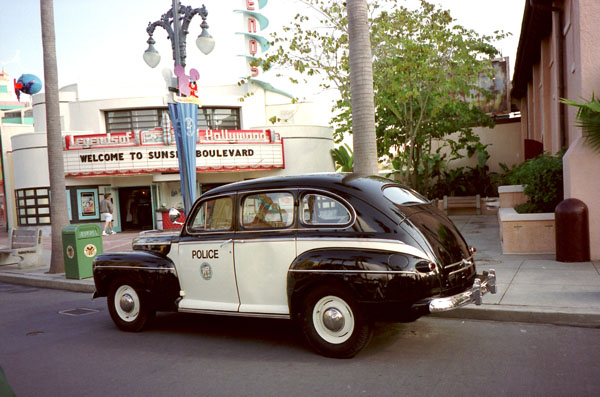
(152, 272)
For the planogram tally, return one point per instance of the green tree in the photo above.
(426, 72)
(56, 166)
(424, 67)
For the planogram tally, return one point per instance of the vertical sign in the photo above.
(254, 23)
(184, 117)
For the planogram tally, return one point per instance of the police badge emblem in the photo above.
(206, 271)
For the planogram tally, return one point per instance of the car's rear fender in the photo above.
(372, 276)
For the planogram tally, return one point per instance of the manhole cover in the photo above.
(78, 312)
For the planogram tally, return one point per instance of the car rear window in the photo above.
(322, 210)
(403, 196)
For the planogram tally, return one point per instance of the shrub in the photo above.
(542, 181)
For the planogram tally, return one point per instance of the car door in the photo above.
(264, 248)
(205, 261)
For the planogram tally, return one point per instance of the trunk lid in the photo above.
(436, 233)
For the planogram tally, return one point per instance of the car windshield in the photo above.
(403, 196)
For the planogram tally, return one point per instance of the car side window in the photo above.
(214, 215)
(322, 210)
(268, 210)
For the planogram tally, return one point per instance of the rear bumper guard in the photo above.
(482, 285)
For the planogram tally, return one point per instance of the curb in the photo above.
(44, 282)
(527, 314)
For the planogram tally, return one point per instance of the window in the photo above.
(33, 206)
(133, 119)
(219, 118)
(126, 120)
(323, 210)
(268, 211)
(403, 196)
(214, 215)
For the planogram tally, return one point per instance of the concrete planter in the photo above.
(511, 196)
(526, 233)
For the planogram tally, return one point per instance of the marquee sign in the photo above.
(141, 152)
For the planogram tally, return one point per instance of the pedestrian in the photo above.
(106, 209)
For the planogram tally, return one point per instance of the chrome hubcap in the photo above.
(127, 303)
(333, 319)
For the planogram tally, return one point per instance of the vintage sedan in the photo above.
(334, 252)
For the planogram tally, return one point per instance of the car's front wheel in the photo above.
(128, 306)
(334, 324)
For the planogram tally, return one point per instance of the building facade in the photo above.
(558, 58)
(126, 146)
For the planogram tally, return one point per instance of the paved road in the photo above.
(45, 353)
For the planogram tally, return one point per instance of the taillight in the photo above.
(425, 267)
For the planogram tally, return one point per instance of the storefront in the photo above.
(126, 146)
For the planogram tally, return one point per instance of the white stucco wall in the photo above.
(505, 146)
(581, 163)
(30, 153)
(8, 131)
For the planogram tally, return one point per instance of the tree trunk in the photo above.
(361, 89)
(56, 168)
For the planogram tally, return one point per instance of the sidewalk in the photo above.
(531, 288)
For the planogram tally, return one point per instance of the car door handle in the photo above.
(226, 242)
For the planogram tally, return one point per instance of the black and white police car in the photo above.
(334, 252)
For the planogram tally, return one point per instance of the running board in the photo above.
(237, 314)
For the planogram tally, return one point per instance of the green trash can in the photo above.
(81, 244)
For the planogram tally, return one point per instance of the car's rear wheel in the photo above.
(128, 306)
(333, 323)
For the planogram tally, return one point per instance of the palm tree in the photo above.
(361, 89)
(588, 118)
(56, 167)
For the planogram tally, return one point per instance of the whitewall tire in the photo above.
(128, 307)
(334, 324)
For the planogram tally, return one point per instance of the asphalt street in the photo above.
(61, 343)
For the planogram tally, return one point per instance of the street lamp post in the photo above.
(176, 22)
(184, 112)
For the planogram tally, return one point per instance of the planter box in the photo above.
(526, 233)
(511, 196)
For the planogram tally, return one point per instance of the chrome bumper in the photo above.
(482, 285)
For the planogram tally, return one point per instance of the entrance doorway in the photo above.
(135, 206)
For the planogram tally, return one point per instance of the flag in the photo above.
(185, 119)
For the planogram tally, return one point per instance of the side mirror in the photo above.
(174, 214)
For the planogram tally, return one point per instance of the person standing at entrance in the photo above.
(106, 209)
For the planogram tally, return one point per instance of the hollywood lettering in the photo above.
(235, 136)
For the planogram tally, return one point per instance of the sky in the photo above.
(100, 42)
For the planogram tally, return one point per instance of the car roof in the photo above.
(351, 183)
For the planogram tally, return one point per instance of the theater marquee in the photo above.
(141, 152)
